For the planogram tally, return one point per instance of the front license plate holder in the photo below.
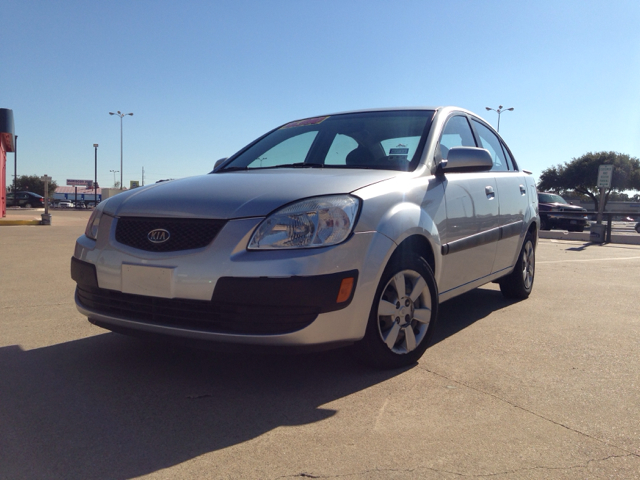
(146, 280)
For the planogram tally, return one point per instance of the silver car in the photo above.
(345, 229)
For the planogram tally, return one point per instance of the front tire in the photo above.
(403, 314)
(544, 223)
(519, 283)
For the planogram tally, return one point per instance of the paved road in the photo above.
(624, 228)
(544, 388)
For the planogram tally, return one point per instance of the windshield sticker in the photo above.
(399, 153)
(305, 122)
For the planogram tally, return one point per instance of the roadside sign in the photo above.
(605, 173)
(134, 184)
(76, 183)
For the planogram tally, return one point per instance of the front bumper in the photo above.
(559, 218)
(274, 305)
(224, 293)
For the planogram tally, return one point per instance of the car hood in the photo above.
(563, 207)
(238, 194)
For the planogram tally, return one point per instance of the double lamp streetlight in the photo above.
(499, 111)
(121, 115)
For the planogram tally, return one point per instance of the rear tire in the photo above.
(27, 205)
(403, 314)
(519, 283)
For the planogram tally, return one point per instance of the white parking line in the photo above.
(588, 260)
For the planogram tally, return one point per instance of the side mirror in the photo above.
(466, 159)
(218, 162)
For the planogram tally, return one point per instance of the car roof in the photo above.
(394, 109)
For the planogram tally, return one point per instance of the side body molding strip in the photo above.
(493, 235)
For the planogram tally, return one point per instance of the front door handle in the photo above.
(523, 191)
(490, 193)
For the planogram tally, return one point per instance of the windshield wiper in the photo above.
(233, 169)
(286, 165)
(298, 165)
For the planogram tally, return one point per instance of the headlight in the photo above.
(309, 223)
(94, 222)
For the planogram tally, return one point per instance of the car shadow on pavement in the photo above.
(110, 406)
(461, 312)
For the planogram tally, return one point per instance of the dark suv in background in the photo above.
(26, 200)
(553, 209)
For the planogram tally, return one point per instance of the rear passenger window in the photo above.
(489, 141)
(457, 133)
(510, 160)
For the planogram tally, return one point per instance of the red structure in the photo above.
(7, 144)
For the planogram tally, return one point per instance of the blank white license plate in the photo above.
(143, 280)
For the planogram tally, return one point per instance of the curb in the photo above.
(20, 222)
(585, 237)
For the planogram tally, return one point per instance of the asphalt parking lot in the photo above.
(544, 388)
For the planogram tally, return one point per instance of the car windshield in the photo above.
(550, 198)
(389, 140)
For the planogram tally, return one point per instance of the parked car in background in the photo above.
(553, 209)
(25, 200)
(344, 229)
(65, 204)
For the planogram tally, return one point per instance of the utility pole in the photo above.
(95, 177)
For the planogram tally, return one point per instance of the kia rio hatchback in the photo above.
(345, 229)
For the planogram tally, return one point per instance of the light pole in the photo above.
(120, 114)
(114, 177)
(95, 178)
(499, 111)
(15, 173)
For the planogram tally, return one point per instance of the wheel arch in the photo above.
(417, 244)
(533, 230)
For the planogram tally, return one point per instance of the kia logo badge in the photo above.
(159, 235)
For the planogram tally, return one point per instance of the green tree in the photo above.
(580, 175)
(32, 183)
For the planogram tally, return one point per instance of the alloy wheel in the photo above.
(404, 311)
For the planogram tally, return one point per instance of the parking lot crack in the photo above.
(531, 412)
(32, 305)
(416, 470)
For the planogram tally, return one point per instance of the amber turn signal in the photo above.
(345, 290)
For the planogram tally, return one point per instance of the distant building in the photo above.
(82, 194)
(7, 144)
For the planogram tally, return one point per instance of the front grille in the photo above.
(184, 233)
(197, 314)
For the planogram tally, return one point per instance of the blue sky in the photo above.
(205, 78)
